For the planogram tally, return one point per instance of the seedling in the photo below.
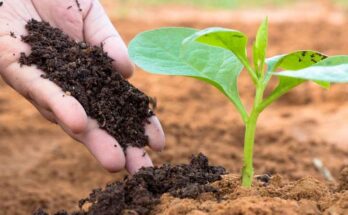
(218, 55)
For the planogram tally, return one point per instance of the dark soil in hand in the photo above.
(140, 193)
(86, 72)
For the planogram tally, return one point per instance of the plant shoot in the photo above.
(218, 56)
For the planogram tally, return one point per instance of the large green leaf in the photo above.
(260, 46)
(161, 52)
(333, 69)
(232, 40)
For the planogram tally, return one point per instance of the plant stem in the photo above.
(249, 69)
(276, 95)
(249, 139)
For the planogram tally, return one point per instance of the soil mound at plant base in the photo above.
(276, 197)
(86, 72)
(139, 194)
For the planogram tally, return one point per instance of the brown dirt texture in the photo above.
(40, 166)
(141, 192)
(304, 196)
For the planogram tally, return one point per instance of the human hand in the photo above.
(92, 25)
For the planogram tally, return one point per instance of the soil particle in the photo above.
(40, 211)
(139, 194)
(307, 188)
(343, 180)
(264, 178)
(68, 8)
(86, 73)
(12, 34)
(339, 205)
(153, 103)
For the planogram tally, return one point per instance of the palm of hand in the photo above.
(92, 25)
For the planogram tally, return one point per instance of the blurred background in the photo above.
(228, 4)
(126, 6)
(42, 167)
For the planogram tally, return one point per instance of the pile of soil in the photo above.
(266, 197)
(86, 73)
(199, 189)
(140, 193)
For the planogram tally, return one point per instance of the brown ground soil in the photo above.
(41, 167)
(305, 196)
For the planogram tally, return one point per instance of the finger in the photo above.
(98, 30)
(155, 133)
(101, 145)
(45, 113)
(64, 15)
(136, 158)
(27, 81)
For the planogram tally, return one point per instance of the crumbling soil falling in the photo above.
(86, 72)
(140, 193)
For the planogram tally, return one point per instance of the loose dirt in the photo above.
(41, 167)
(86, 73)
(140, 193)
(305, 196)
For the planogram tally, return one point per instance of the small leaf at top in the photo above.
(260, 46)
(232, 40)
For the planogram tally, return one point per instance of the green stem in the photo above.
(242, 112)
(274, 96)
(251, 72)
(248, 169)
(249, 69)
(249, 139)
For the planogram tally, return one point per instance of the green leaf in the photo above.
(260, 46)
(161, 52)
(232, 40)
(333, 69)
(293, 61)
